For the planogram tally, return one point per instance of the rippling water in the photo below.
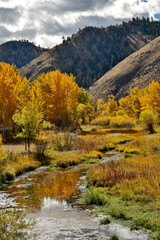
(50, 197)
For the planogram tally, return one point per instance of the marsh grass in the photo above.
(114, 237)
(120, 121)
(143, 145)
(13, 225)
(94, 196)
(15, 165)
(132, 184)
(105, 220)
(72, 158)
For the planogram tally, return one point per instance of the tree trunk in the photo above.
(25, 144)
(150, 128)
(28, 145)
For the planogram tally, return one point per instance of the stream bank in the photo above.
(51, 196)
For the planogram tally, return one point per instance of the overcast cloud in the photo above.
(45, 21)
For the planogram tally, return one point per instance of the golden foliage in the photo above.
(11, 91)
(149, 118)
(57, 95)
(121, 121)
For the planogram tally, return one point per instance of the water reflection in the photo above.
(52, 186)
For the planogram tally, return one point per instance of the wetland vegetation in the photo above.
(56, 125)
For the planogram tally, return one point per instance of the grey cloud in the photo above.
(41, 18)
(55, 28)
(26, 33)
(128, 8)
(10, 15)
(100, 21)
(71, 6)
(5, 35)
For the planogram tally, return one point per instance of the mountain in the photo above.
(139, 69)
(91, 52)
(19, 52)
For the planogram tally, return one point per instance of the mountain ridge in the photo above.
(93, 51)
(138, 69)
(19, 52)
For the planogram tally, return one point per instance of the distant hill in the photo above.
(19, 52)
(139, 69)
(91, 52)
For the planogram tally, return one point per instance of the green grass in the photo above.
(114, 237)
(105, 220)
(94, 196)
(136, 215)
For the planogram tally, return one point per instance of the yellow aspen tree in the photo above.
(111, 105)
(126, 105)
(100, 107)
(60, 96)
(24, 93)
(10, 83)
(151, 100)
(135, 96)
(37, 97)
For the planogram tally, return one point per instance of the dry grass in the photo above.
(136, 177)
(122, 122)
(143, 145)
(71, 158)
(102, 142)
(18, 164)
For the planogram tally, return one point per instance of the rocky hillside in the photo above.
(91, 52)
(139, 69)
(19, 52)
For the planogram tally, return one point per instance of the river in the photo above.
(50, 197)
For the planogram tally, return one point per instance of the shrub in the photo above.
(156, 236)
(118, 214)
(102, 121)
(142, 223)
(48, 125)
(149, 118)
(121, 122)
(126, 155)
(105, 220)
(64, 141)
(14, 226)
(114, 237)
(41, 146)
(94, 196)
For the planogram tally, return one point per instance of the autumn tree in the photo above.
(149, 118)
(111, 105)
(9, 90)
(131, 104)
(100, 107)
(29, 119)
(135, 96)
(85, 109)
(151, 98)
(57, 96)
(126, 105)
(108, 108)
(12, 93)
(24, 93)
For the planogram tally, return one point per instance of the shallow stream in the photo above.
(50, 196)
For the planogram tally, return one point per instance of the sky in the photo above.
(45, 22)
